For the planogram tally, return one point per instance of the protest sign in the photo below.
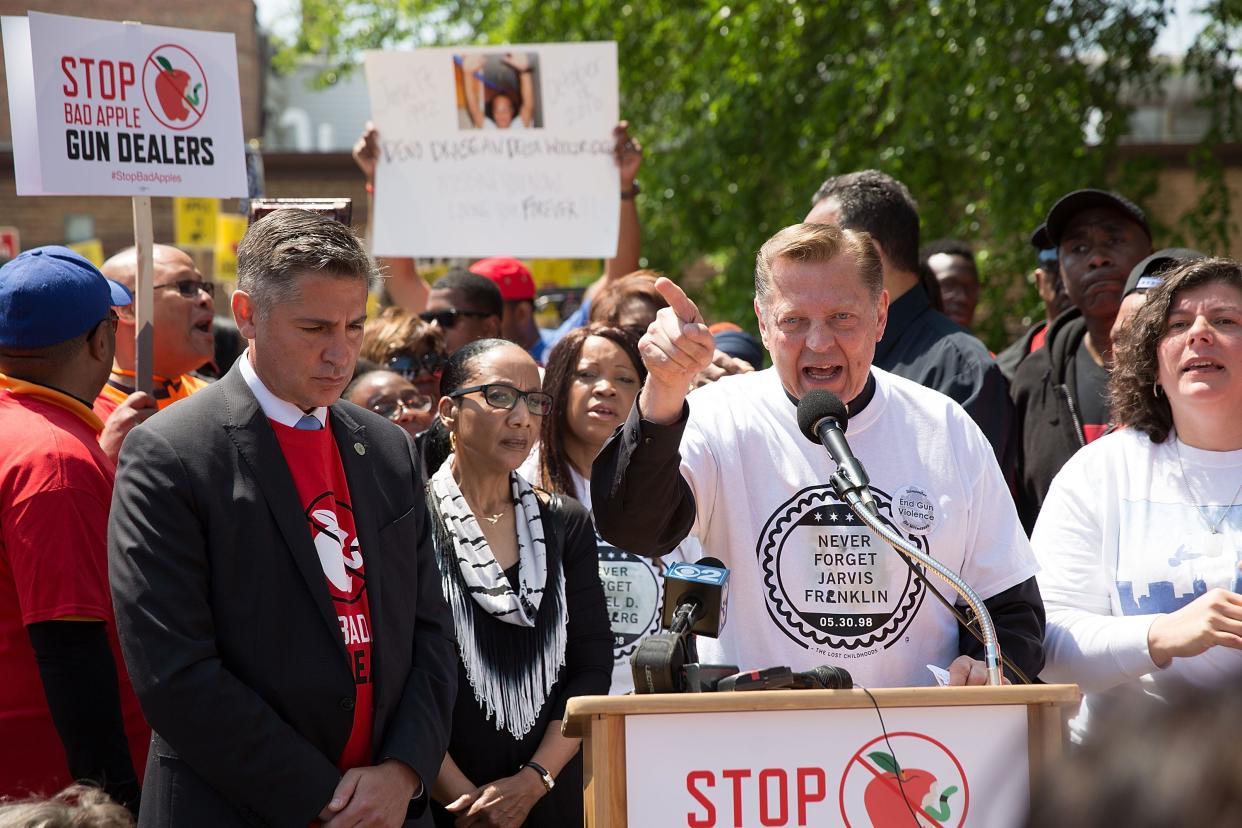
(194, 222)
(105, 108)
(496, 150)
(230, 228)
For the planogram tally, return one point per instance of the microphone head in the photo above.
(832, 678)
(815, 406)
(706, 581)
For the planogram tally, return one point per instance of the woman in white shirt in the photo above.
(1140, 538)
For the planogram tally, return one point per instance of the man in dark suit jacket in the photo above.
(276, 593)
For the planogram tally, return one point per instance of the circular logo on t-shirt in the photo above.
(915, 510)
(632, 596)
(830, 583)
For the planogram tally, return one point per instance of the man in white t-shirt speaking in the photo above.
(810, 584)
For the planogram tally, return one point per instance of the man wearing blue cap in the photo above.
(66, 705)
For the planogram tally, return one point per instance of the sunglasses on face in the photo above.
(448, 319)
(189, 288)
(410, 366)
(499, 395)
(393, 407)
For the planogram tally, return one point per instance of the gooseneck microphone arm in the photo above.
(822, 418)
(991, 646)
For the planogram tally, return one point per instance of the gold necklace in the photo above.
(493, 519)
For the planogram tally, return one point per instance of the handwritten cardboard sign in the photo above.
(105, 108)
(496, 150)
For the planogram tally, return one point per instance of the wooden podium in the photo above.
(956, 756)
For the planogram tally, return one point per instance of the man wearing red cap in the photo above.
(517, 289)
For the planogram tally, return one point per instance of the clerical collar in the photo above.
(855, 406)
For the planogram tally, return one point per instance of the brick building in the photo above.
(54, 220)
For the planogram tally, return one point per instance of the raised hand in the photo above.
(628, 152)
(675, 349)
(517, 61)
(366, 151)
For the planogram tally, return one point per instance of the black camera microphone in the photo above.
(822, 677)
(823, 417)
(695, 598)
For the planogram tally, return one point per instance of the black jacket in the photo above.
(1047, 419)
(922, 344)
(1009, 359)
(227, 626)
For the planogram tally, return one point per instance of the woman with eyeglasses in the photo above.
(593, 376)
(391, 395)
(399, 341)
(518, 568)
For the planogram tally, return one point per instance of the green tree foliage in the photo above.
(982, 108)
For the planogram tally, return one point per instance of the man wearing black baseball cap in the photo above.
(66, 705)
(1147, 275)
(1059, 393)
(1047, 278)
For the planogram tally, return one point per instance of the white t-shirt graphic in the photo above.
(1120, 541)
(810, 585)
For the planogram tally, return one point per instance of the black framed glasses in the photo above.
(448, 319)
(189, 288)
(393, 407)
(410, 366)
(500, 395)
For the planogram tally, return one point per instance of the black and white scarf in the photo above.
(512, 666)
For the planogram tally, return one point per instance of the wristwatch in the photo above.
(628, 195)
(548, 782)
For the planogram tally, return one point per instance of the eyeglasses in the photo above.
(189, 288)
(448, 319)
(499, 395)
(393, 407)
(410, 366)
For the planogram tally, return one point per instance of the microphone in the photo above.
(822, 417)
(822, 677)
(695, 597)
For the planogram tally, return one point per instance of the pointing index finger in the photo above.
(677, 299)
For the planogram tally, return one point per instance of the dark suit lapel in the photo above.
(364, 497)
(256, 441)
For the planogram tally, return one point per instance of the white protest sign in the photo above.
(496, 151)
(959, 767)
(105, 108)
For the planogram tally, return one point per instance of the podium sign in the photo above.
(949, 757)
(951, 766)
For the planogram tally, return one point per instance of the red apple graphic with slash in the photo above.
(884, 800)
(170, 88)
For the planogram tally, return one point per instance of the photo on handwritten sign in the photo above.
(498, 90)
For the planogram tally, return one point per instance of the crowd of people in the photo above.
(350, 571)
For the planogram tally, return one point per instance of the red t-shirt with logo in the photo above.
(319, 476)
(55, 491)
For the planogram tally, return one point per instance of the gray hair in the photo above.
(288, 243)
(818, 243)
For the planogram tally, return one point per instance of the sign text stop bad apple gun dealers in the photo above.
(111, 81)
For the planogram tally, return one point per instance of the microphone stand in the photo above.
(847, 491)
